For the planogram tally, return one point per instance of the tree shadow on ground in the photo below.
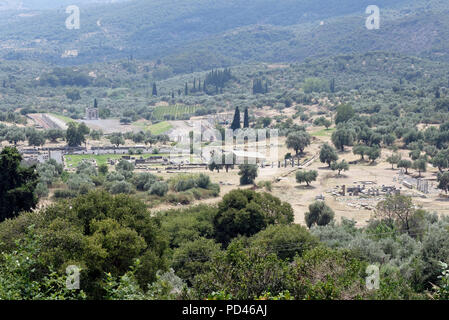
(305, 187)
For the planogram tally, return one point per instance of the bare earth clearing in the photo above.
(300, 196)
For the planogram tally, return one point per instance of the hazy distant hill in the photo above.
(47, 4)
(200, 34)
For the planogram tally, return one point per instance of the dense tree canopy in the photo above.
(18, 184)
(245, 212)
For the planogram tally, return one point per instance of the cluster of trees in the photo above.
(146, 137)
(329, 156)
(76, 134)
(236, 122)
(181, 189)
(214, 83)
(412, 100)
(316, 85)
(259, 87)
(246, 247)
(14, 135)
(322, 121)
(49, 173)
(217, 79)
(18, 184)
(64, 77)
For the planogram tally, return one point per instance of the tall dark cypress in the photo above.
(186, 90)
(236, 122)
(246, 119)
(154, 89)
(95, 103)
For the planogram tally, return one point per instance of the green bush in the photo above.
(202, 181)
(188, 224)
(121, 187)
(191, 258)
(180, 198)
(159, 188)
(64, 194)
(285, 240)
(319, 213)
(245, 212)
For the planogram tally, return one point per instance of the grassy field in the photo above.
(323, 133)
(63, 118)
(160, 128)
(176, 111)
(73, 160)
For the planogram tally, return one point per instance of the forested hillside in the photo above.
(198, 35)
(125, 87)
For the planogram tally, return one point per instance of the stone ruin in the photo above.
(421, 185)
(368, 191)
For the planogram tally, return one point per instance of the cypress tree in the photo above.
(332, 85)
(186, 90)
(236, 122)
(154, 89)
(246, 119)
(95, 103)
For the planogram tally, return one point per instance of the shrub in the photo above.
(182, 183)
(41, 190)
(247, 173)
(323, 274)
(115, 176)
(103, 169)
(189, 224)
(191, 258)
(64, 194)
(86, 168)
(77, 182)
(143, 181)
(181, 198)
(159, 188)
(203, 181)
(319, 213)
(285, 240)
(121, 187)
(124, 165)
